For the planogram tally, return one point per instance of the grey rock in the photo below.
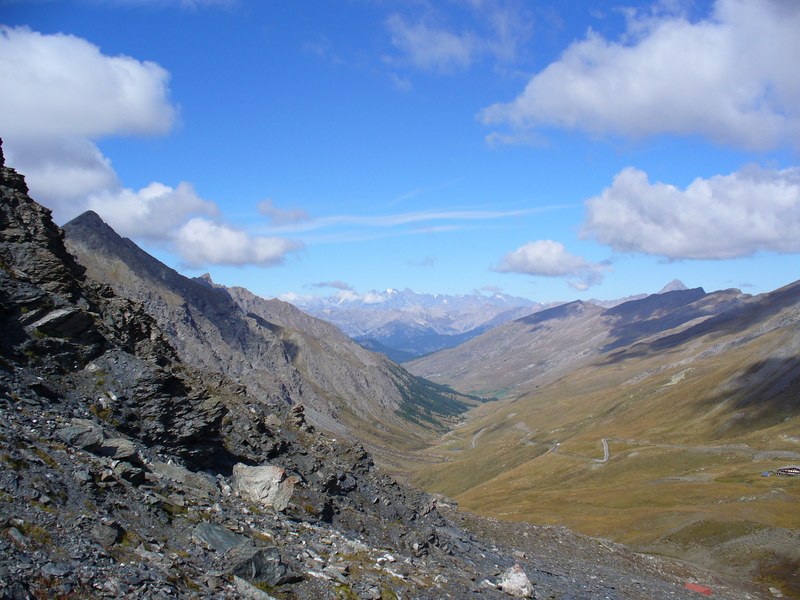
(198, 484)
(119, 449)
(56, 570)
(248, 591)
(15, 535)
(216, 537)
(262, 565)
(81, 433)
(107, 534)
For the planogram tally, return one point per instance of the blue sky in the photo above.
(552, 150)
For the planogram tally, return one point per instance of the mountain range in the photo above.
(404, 324)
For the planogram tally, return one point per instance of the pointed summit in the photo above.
(89, 219)
(676, 285)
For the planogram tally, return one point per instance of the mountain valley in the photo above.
(660, 423)
(165, 437)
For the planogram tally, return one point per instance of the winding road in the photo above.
(605, 452)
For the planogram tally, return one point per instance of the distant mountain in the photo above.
(405, 324)
(277, 352)
(519, 355)
(676, 285)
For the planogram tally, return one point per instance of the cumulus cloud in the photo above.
(63, 86)
(61, 92)
(725, 216)
(202, 241)
(153, 212)
(731, 78)
(61, 172)
(547, 258)
(279, 216)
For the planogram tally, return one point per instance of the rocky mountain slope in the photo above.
(270, 347)
(128, 473)
(520, 355)
(404, 324)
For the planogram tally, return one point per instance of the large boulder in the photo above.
(267, 485)
(515, 582)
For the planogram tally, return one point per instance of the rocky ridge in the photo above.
(277, 352)
(127, 473)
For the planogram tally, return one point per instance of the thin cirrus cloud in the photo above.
(61, 92)
(431, 48)
(424, 42)
(407, 218)
(280, 216)
(548, 258)
(731, 78)
(725, 216)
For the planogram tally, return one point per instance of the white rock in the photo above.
(515, 582)
(267, 485)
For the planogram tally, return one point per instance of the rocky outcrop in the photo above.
(267, 485)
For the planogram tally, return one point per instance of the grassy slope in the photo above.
(689, 435)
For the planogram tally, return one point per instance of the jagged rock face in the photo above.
(279, 353)
(32, 246)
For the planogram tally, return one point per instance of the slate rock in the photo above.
(119, 449)
(81, 433)
(216, 537)
(262, 565)
(107, 534)
(248, 591)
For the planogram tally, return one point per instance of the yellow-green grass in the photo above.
(687, 448)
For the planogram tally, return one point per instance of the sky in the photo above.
(549, 150)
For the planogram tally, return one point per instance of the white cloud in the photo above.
(731, 78)
(336, 284)
(374, 298)
(60, 93)
(726, 216)
(154, 212)
(547, 258)
(201, 242)
(61, 171)
(63, 86)
(279, 216)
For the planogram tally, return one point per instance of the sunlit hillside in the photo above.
(664, 445)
